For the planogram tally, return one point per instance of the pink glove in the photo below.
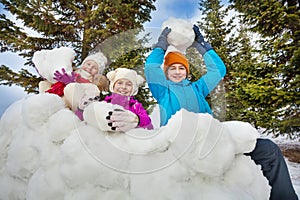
(122, 120)
(64, 77)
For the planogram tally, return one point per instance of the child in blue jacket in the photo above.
(173, 91)
(172, 94)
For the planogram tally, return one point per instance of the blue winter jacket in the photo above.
(172, 96)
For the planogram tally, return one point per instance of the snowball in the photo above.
(48, 61)
(182, 34)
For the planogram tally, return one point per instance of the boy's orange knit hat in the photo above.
(175, 58)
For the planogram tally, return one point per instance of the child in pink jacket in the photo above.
(124, 84)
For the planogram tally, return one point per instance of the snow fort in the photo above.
(48, 153)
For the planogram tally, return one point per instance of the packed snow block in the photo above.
(46, 183)
(10, 122)
(12, 117)
(75, 92)
(140, 141)
(83, 149)
(61, 124)
(37, 109)
(247, 175)
(244, 135)
(22, 156)
(182, 34)
(95, 114)
(11, 187)
(48, 61)
(26, 151)
(192, 157)
(89, 192)
(213, 149)
(201, 141)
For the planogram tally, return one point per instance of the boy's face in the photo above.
(176, 73)
(91, 67)
(123, 87)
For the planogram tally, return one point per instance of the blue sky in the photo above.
(173, 8)
(188, 10)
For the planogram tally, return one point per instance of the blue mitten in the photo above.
(162, 39)
(199, 42)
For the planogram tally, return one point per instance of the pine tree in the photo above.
(276, 87)
(215, 31)
(82, 25)
(243, 74)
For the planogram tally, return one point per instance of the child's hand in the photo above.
(162, 39)
(64, 77)
(122, 120)
(199, 42)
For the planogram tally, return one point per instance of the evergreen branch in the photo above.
(23, 79)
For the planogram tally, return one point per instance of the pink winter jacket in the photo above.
(130, 103)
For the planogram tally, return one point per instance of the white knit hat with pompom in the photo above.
(125, 73)
(99, 59)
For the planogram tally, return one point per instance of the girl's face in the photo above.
(123, 87)
(91, 67)
(176, 73)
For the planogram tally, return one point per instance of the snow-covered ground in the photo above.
(46, 152)
(294, 169)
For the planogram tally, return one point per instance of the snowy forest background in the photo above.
(259, 44)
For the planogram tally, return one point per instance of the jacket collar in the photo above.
(184, 82)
